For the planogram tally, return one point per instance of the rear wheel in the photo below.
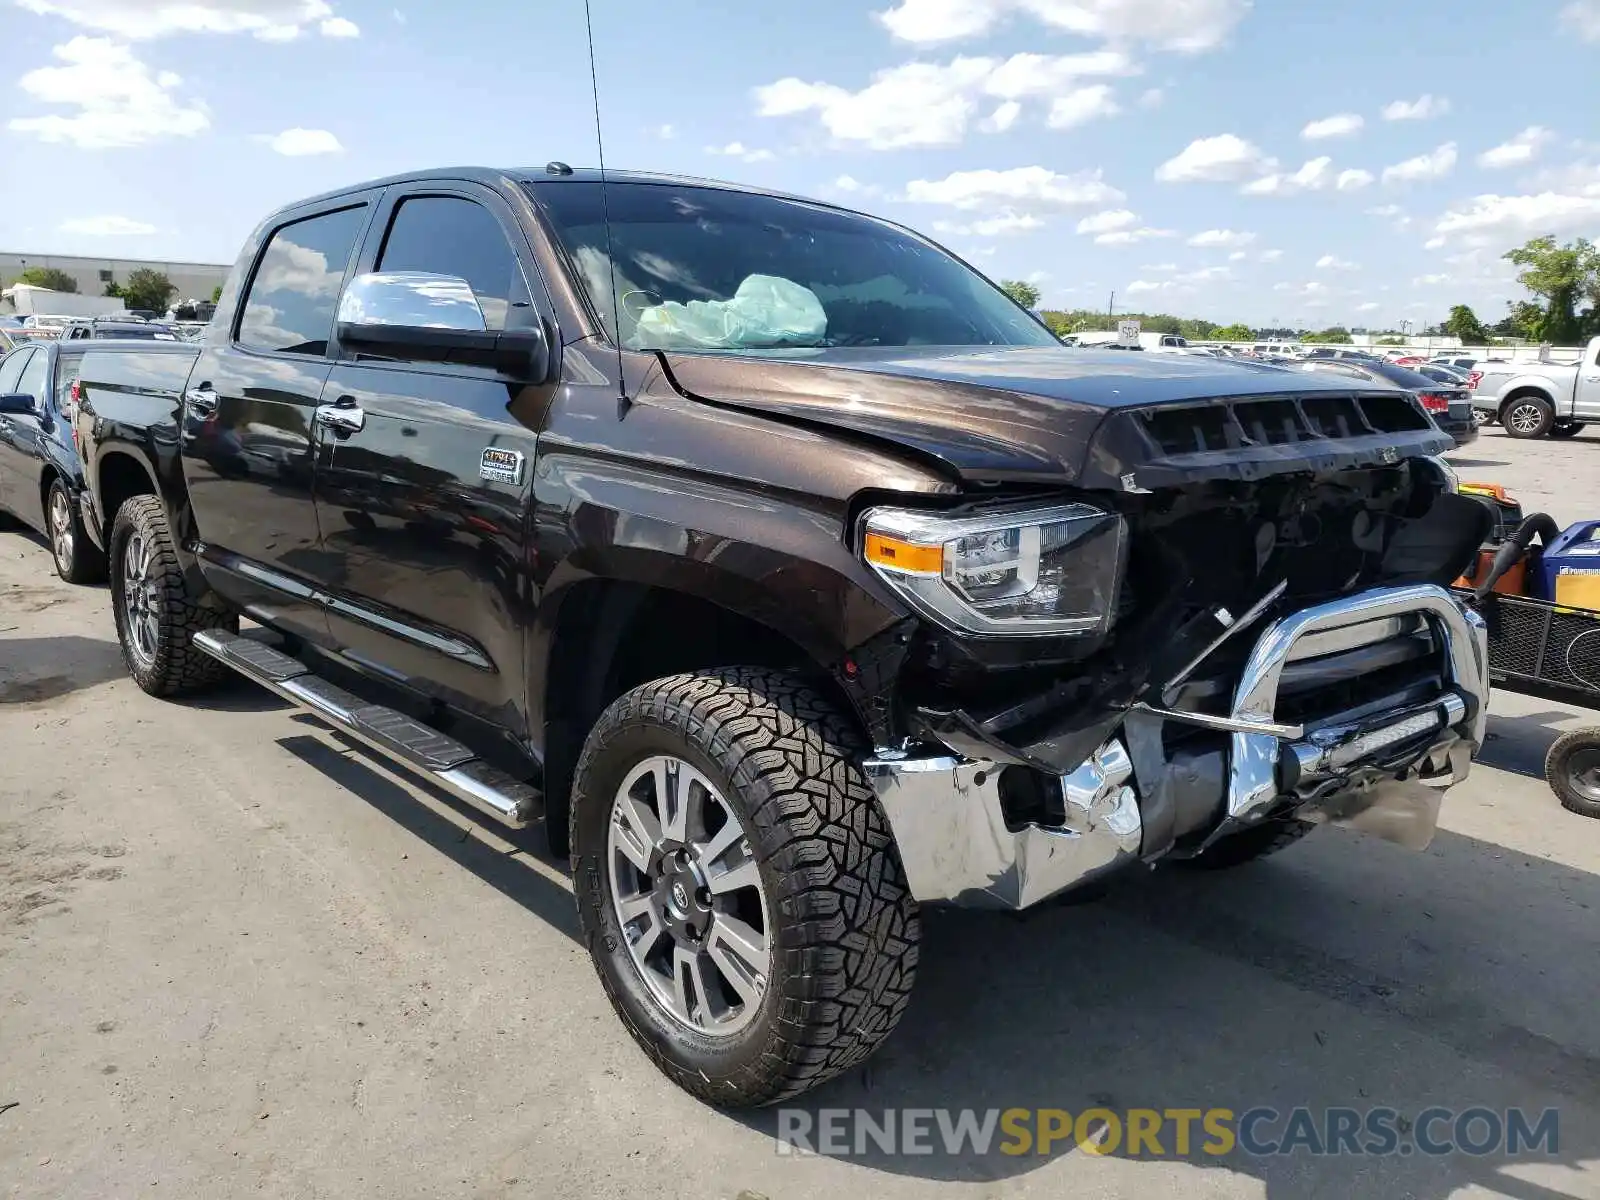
(1528, 417)
(1572, 769)
(156, 615)
(737, 884)
(1566, 429)
(78, 560)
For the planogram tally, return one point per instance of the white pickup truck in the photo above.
(1535, 400)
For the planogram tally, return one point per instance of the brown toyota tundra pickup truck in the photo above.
(791, 574)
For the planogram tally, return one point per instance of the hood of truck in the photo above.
(1071, 416)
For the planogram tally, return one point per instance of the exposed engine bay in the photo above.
(1212, 607)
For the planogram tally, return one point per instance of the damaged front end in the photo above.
(1255, 626)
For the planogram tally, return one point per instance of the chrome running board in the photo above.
(419, 748)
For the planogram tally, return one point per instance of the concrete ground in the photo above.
(239, 958)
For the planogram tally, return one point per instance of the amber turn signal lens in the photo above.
(900, 555)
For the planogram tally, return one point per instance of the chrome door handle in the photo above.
(341, 418)
(1591, 378)
(202, 400)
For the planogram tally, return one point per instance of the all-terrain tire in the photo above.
(1569, 769)
(176, 666)
(844, 928)
(1248, 845)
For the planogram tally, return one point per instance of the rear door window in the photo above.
(291, 302)
(11, 369)
(36, 379)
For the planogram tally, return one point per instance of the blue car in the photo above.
(41, 476)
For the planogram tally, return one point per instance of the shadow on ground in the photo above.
(1347, 972)
(507, 873)
(42, 670)
(1519, 743)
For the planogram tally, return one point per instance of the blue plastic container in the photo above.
(1569, 568)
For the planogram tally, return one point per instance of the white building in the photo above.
(194, 281)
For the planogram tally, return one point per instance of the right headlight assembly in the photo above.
(1013, 573)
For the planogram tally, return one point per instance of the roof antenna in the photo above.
(605, 208)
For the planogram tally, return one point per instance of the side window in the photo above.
(36, 379)
(11, 370)
(447, 235)
(68, 366)
(291, 300)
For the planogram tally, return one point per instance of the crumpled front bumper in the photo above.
(1383, 772)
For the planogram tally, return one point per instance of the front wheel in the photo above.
(1528, 417)
(1566, 429)
(156, 615)
(738, 886)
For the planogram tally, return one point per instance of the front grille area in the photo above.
(1280, 421)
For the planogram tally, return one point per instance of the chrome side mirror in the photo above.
(411, 299)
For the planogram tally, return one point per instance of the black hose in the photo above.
(1540, 525)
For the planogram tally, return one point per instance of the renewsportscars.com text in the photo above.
(1169, 1132)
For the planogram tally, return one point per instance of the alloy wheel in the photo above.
(61, 536)
(141, 599)
(688, 896)
(1525, 418)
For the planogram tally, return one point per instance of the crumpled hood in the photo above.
(988, 412)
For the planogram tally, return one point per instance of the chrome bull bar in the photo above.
(1384, 774)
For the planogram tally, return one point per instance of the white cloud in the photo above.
(105, 226)
(1420, 109)
(1160, 268)
(1386, 210)
(270, 20)
(934, 104)
(1582, 17)
(1222, 237)
(1354, 180)
(1110, 219)
(1151, 98)
(1003, 117)
(1007, 221)
(846, 183)
(1238, 256)
(1341, 125)
(742, 152)
(1188, 26)
(1270, 256)
(1311, 177)
(1331, 262)
(1523, 148)
(1023, 189)
(1434, 165)
(1222, 159)
(1369, 306)
(1148, 285)
(1429, 280)
(1521, 216)
(1131, 237)
(297, 143)
(1435, 243)
(1082, 106)
(118, 100)
(666, 132)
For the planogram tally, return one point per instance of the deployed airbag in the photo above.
(766, 311)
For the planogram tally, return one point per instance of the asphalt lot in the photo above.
(239, 958)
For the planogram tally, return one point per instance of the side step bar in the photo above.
(417, 747)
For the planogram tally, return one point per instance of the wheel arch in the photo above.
(599, 635)
(1522, 391)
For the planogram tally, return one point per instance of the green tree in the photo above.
(1562, 277)
(1464, 324)
(1336, 335)
(1233, 333)
(1023, 292)
(114, 290)
(53, 278)
(216, 294)
(1390, 341)
(148, 289)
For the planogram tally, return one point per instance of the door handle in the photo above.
(344, 417)
(1591, 378)
(203, 399)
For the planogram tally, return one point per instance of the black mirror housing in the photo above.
(18, 404)
(523, 354)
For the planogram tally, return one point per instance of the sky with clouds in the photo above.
(1359, 164)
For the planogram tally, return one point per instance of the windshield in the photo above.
(708, 269)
